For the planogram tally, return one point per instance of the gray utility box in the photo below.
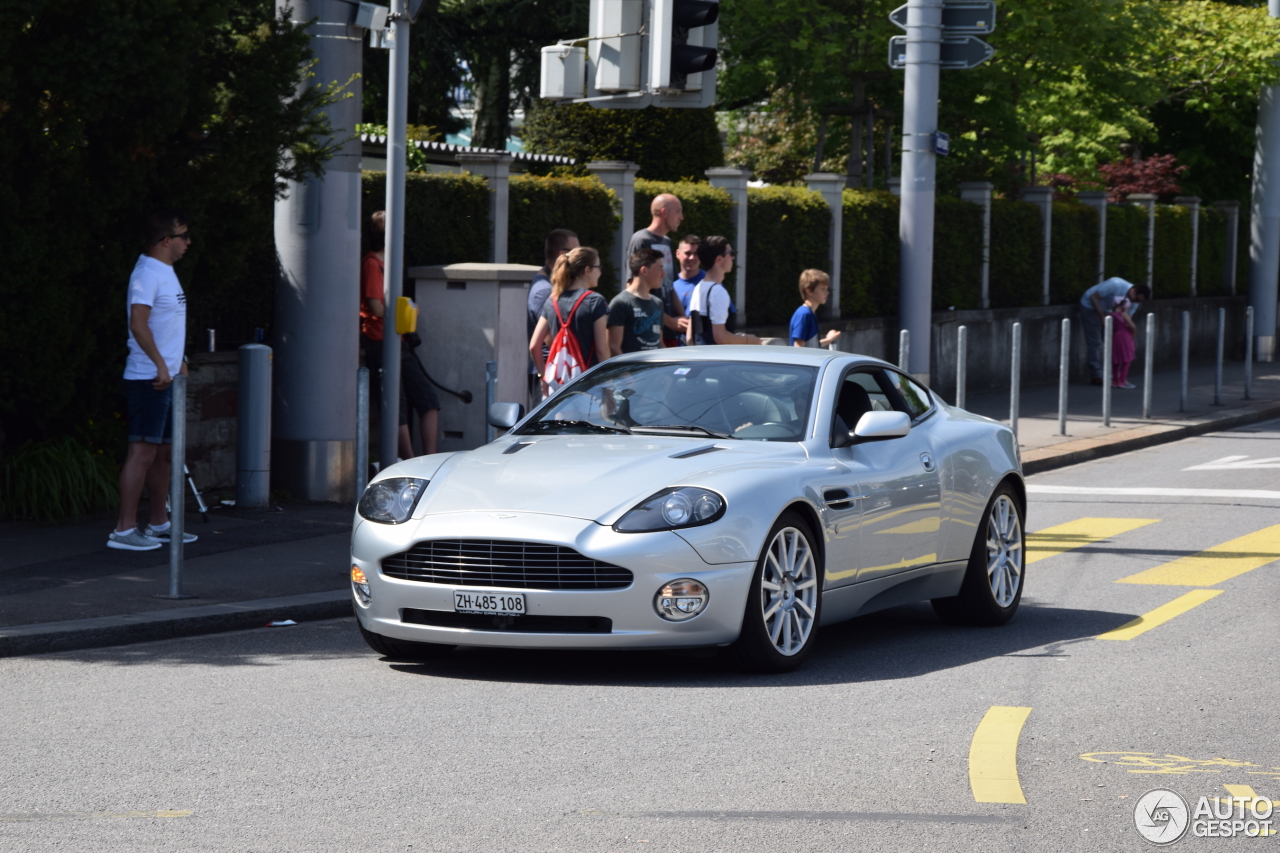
(469, 315)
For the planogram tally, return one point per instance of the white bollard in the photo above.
(1064, 372)
(904, 351)
(1108, 329)
(1015, 377)
(1186, 360)
(1148, 365)
(962, 352)
(1217, 372)
(1248, 353)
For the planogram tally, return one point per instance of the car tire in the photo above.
(784, 604)
(993, 581)
(406, 650)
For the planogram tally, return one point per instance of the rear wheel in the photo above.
(992, 587)
(780, 625)
(402, 649)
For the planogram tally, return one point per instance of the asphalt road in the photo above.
(300, 739)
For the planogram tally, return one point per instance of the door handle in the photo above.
(926, 459)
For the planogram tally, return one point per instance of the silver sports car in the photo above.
(739, 497)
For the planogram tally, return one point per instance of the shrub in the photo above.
(1073, 260)
(56, 479)
(1172, 273)
(1211, 253)
(583, 205)
(446, 216)
(869, 254)
(788, 233)
(1126, 254)
(957, 254)
(1017, 254)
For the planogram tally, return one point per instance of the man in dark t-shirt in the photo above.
(635, 314)
(667, 214)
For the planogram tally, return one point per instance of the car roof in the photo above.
(807, 356)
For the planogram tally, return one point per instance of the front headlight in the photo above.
(391, 501)
(683, 506)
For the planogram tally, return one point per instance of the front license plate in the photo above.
(500, 603)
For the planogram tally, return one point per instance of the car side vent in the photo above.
(838, 498)
(697, 451)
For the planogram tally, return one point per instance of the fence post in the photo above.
(177, 487)
(979, 193)
(1064, 372)
(496, 170)
(1108, 330)
(831, 187)
(1217, 369)
(1148, 200)
(1098, 201)
(1042, 197)
(1015, 377)
(619, 176)
(1231, 210)
(1192, 202)
(1186, 359)
(904, 351)
(1248, 352)
(1148, 365)
(962, 354)
(362, 431)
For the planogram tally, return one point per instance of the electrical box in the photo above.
(617, 44)
(564, 72)
(371, 16)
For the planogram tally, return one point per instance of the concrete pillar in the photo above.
(317, 234)
(979, 193)
(734, 181)
(1231, 210)
(1148, 201)
(1042, 197)
(619, 176)
(496, 169)
(831, 187)
(1097, 199)
(1193, 202)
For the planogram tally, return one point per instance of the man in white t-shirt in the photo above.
(709, 303)
(157, 313)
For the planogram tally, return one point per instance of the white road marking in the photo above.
(1236, 463)
(1141, 492)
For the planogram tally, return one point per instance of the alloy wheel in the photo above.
(1004, 551)
(789, 591)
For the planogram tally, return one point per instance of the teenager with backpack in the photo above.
(709, 304)
(575, 318)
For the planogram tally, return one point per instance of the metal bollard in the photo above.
(1064, 372)
(253, 428)
(1015, 377)
(1217, 370)
(1108, 330)
(904, 350)
(490, 389)
(1186, 360)
(177, 487)
(1248, 353)
(1148, 365)
(213, 340)
(962, 355)
(362, 431)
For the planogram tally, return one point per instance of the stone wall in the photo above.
(212, 398)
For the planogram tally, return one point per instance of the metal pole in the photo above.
(213, 340)
(397, 113)
(904, 351)
(1015, 378)
(1148, 365)
(362, 431)
(1064, 373)
(1186, 359)
(490, 391)
(177, 488)
(1248, 353)
(919, 170)
(1108, 330)
(1217, 370)
(962, 356)
(1264, 219)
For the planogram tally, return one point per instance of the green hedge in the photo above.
(583, 205)
(1212, 253)
(1073, 258)
(957, 254)
(1017, 254)
(1172, 273)
(869, 254)
(788, 232)
(1127, 242)
(430, 238)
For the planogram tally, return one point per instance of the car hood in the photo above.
(586, 476)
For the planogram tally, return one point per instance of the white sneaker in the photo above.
(132, 540)
(163, 537)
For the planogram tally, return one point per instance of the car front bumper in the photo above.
(653, 558)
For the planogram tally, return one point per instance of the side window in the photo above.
(860, 393)
(915, 399)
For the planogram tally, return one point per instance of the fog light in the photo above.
(360, 584)
(681, 600)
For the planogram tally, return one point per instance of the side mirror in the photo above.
(505, 415)
(881, 426)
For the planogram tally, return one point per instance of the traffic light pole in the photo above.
(919, 169)
(397, 114)
(1264, 221)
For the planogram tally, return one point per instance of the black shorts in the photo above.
(149, 411)
(416, 391)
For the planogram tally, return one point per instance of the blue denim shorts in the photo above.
(149, 412)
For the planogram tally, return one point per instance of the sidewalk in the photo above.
(61, 588)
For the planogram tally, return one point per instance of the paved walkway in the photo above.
(61, 588)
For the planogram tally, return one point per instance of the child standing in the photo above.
(1122, 346)
(815, 289)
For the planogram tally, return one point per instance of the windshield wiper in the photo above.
(542, 426)
(678, 429)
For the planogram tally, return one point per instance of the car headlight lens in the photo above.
(681, 600)
(391, 501)
(683, 506)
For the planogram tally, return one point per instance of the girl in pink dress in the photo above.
(1122, 348)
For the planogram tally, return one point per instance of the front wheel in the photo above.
(780, 624)
(992, 587)
(405, 650)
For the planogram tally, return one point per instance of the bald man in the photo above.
(667, 213)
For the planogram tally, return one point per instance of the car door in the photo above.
(900, 490)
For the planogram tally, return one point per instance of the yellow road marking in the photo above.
(1217, 564)
(993, 756)
(1161, 614)
(1250, 796)
(1076, 534)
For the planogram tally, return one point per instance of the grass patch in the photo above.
(55, 480)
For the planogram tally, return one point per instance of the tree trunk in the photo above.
(492, 123)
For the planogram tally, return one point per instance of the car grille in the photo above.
(518, 624)
(518, 565)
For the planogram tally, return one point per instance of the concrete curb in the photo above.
(1074, 452)
(167, 624)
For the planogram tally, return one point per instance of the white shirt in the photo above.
(711, 300)
(1108, 291)
(154, 283)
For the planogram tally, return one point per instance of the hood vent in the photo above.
(697, 451)
(517, 447)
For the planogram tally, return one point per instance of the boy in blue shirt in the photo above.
(815, 290)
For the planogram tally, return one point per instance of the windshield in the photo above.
(722, 399)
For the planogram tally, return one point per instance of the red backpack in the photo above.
(564, 358)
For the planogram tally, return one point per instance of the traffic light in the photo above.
(682, 47)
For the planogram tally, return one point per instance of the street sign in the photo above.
(961, 52)
(959, 17)
(941, 144)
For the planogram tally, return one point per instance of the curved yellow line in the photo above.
(993, 756)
